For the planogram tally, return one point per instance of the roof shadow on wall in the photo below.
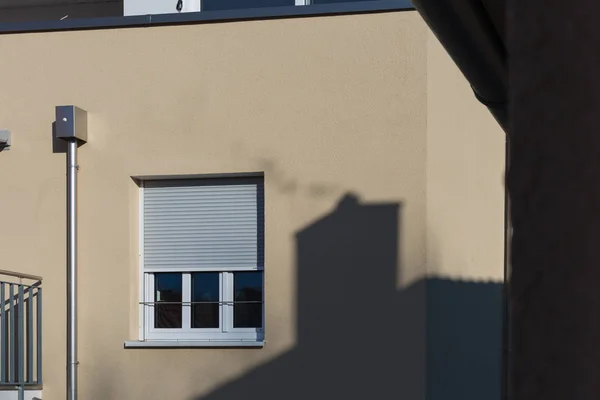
(464, 340)
(360, 338)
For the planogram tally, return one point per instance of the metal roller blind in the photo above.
(211, 223)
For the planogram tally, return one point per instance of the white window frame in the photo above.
(226, 331)
(143, 7)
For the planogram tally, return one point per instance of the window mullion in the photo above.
(186, 322)
(224, 311)
(149, 299)
(144, 277)
(226, 299)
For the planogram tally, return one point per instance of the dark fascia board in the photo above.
(373, 6)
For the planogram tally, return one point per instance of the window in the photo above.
(203, 259)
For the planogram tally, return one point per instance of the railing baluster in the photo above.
(39, 336)
(2, 334)
(30, 336)
(11, 346)
(21, 335)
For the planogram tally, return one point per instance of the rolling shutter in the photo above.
(203, 224)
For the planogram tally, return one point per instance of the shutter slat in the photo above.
(192, 198)
(174, 208)
(213, 248)
(206, 226)
(196, 238)
(167, 193)
(183, 234)
(179, 203)
(237, 216)
(208, 241)
(197, 225)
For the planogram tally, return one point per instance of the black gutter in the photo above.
(374, 6)
(467, 32)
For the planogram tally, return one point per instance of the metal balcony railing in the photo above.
(20, 331)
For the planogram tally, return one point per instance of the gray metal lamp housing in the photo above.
(71, 123)
(4, 139)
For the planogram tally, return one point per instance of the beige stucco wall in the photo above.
(465, 174)
(465, 243)
(324, 106)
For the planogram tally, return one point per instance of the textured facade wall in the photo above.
(333, 110)
(465, 235)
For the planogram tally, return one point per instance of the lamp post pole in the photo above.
(72, 269)
(71, 126)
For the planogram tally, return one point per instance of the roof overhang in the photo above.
(473, 33)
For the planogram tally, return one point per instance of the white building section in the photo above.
(144, 7)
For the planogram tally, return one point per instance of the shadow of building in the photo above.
(361, 338)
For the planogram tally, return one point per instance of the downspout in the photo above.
(506, 331)
(72, 269)
(71, 126)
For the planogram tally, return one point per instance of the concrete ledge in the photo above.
(137, 344)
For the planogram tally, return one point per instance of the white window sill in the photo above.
(137, 344)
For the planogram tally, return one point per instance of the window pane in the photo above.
(213, 5)
(205, 289)
(168, 290)
(248, 296)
